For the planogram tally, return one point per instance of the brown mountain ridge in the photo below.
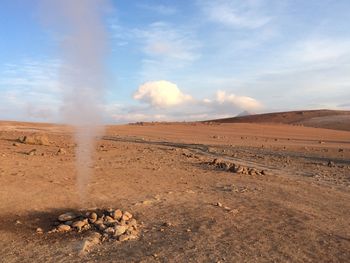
(328, 119)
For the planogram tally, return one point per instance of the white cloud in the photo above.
(232, 13)
(228, 102)
(161, 94)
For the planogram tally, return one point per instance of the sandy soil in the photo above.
(298, 212)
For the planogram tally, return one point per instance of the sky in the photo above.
(185, 60)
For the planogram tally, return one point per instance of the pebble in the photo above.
(101, 227)
(109, 230)
(63, 228)
(119, 230)
(32, 152)
(126, 216)
(67, 216)
(92, 217)
(79, 224)
(126, 237)
(117, 214)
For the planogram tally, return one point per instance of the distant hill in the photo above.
(245, 113)
(329, 119)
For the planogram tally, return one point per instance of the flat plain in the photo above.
(190, 208)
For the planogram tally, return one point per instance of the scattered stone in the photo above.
(218, 204)
(227, 208)
(126, 216)
(92, 217)
(109, 221)
(109, 230)
(39, 230)
(63, 228)
(117, 214)
(15, 144)
(119, 230)
(67, 216)
(32, 152)
(34, 139)
(234, 168)
(101, 226)
(167, 224)
(330, 164)
(80, 224)
(61, 151)
(126, 237)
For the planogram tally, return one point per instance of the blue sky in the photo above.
(185, 60)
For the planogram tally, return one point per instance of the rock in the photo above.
(109, 221)
(79, 224)
(132, 222)
(39, 230)
(126, 216)
(167, 224)
(86, 227)
(63, 228)
(15, 144)
(69, 223)
(61, 151)
(245, 170)
(218, 204)
(238, 169)
(32, 152)
(101, 226)
(330, 164)
(264, 172)
(34, 139)
(119, 230)
(92, 217)
(126, 237)
(252, 171)
(117, 214)
(227, 208)
(89, 242)
(100, 220)
(109, 230)
(67, 216)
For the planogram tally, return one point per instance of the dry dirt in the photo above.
(299, 211)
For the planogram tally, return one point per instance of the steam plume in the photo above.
(83, 44)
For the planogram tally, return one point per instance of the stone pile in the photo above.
(108, 224)
(235, 168)
(34, 139)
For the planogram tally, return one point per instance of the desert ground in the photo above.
(172, 178)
